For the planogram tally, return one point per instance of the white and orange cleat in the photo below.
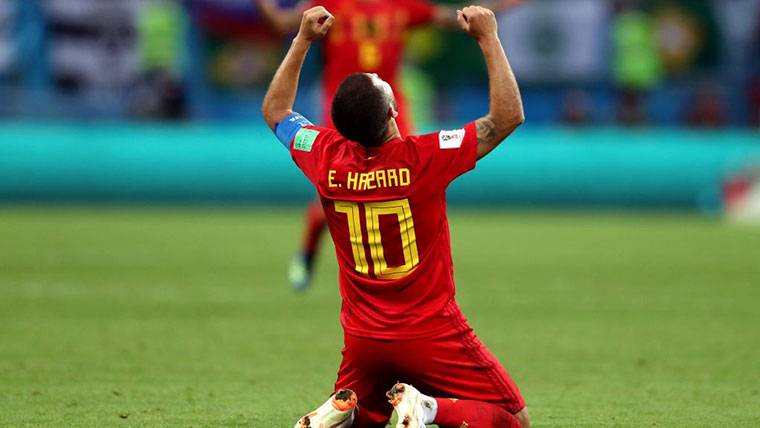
(413, 408)
(337, 412)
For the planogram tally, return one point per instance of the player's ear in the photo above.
(392, 112)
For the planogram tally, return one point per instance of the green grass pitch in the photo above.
(180, 317)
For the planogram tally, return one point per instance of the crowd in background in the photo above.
(580, 62)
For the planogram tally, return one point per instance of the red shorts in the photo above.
(455, 366)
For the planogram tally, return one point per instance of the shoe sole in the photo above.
(395, 397)
(343, 401)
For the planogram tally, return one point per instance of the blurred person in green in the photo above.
(160, 92)
(637, 67)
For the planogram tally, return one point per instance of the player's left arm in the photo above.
(279, 99)
(446, 15)
(505, 111)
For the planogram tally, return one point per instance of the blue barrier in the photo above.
(125, 162)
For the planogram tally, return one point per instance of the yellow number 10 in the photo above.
(373, 211)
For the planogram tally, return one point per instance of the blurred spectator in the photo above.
(686, 35)
(637, 66)
(754, 102)
(160, 93)
(630, 110)
(92, 43)
(637, 62)
(707, 108)
(754, 87)
(420, 89)
(7, 24)
(161, 35)
(739, 27)
(576, 108)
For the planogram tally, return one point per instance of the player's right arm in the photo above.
(283, 20)
(506, 110)
(279, 98)
(294, 131)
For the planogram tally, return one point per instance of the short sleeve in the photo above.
(451, 152)
(419, 12)
(307, 148)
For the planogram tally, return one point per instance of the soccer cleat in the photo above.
(334, 413)
(299, 272)
(410, 405)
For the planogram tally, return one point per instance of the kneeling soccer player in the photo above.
(384, 199)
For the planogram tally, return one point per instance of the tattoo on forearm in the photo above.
(485, 130)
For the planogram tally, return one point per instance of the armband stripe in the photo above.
(288, 127)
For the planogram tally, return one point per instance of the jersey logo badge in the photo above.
(451, 139)
(305, 139)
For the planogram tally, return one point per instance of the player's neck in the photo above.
(392, 133)
(391, 137)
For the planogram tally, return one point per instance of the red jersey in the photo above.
(368, 37)
(386, 211)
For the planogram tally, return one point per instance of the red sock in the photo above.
(454, 413)
(315, 224)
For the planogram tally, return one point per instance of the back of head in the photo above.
(360, 110)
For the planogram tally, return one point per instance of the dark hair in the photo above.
(360, 110)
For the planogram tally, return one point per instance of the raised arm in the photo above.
(506, 110)
(278, 101)
(446, 15)
(283, 20)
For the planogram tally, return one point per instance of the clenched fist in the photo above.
(477, 21)
(315, 23)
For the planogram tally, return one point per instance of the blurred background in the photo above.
(628, 102)
(580, 62)
(147, 214)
